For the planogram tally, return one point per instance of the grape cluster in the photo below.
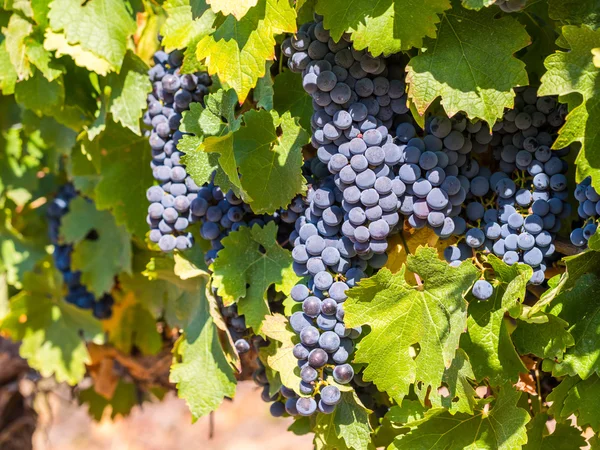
(218, 213)
(77, 293)
(511, 5)
(588, 210)
(435, 171)
(515, 212)
(356, 98)
(172, 93)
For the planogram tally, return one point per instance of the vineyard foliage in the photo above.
(448, 371)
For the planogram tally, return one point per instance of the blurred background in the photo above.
(242, 424)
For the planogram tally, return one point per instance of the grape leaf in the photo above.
(16, 33)
(270, 160)
(250, 262)
(8, 75)
(386, 26)
(165, 293)
(199, 164)
(216, 119)
(460, 395)
(469, 73)
(58, 43)
(263, 92)
(122, 402)
(40, 95)
(549, 339)
(578, 397)
(182, 26)
(579, 307)
(401, 316)
(503, 428)
(576, 12)
(101, 27)
(122, 154)
(129, 90)
(346, 428)
(237, 50)
(596, 53)
(52, 332)
(101, 259)
(290, 96)
(201, 372)
(577, 266)
(574, 71)
(132, 324)
(237, 8)
(563, 436)
(487, 341)
(278, 355)
(395, 421)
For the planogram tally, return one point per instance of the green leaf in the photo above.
(40, 95)
(268, 152)
(101, 259)
(291, 96)
(123, 154)
(52, 332)
(263, 92)
(563, 436)
(199, 164)
(237, 8)
(237, 50)
(122, 402)
(346, 428)
(459, 395)
(574, 71)
(278, 355)
(182, 26)
(387, 26)
(217, 119)
(395, 421)
(549, 339)
(101, 27)
(250, 262)
(469, 73)
(202, 374)
(129, 90)
(576, 12)
(579, 307)
(487, 341)
(401, 316)
(8, 75)
(503, 428)
(578, 397)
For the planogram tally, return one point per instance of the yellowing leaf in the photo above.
(386, 26)
(101, 27)
(132, 324)
(403, 244)
(57, 42)
(237, 8)
(181, 26)
(237, 50)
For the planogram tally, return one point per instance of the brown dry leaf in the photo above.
(526, 383)
(105, 378)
